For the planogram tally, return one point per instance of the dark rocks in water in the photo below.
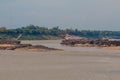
(92, 42)
(74, 41)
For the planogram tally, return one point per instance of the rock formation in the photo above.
(91, 42)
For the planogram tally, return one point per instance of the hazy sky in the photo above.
(81, 14)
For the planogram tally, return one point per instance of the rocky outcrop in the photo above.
(91, 42)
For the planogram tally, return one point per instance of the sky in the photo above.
(81, 14)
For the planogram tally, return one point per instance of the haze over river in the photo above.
(73, 63)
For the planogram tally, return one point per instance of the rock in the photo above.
(92, 42)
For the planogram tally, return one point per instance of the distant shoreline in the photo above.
(32, 32)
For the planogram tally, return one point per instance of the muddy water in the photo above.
(56, 44)
(73, 63)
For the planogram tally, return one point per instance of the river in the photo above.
(73, 63)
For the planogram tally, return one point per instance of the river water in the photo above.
(56, 44)
(73, 63)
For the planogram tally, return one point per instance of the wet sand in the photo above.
(74, 63)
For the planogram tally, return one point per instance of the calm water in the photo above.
(56, 44)
(74, 63)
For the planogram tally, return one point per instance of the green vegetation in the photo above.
(32, 32)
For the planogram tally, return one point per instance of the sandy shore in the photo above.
(74, 63)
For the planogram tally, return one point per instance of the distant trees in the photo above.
(36, 32)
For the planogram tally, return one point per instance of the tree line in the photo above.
(36, 32)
